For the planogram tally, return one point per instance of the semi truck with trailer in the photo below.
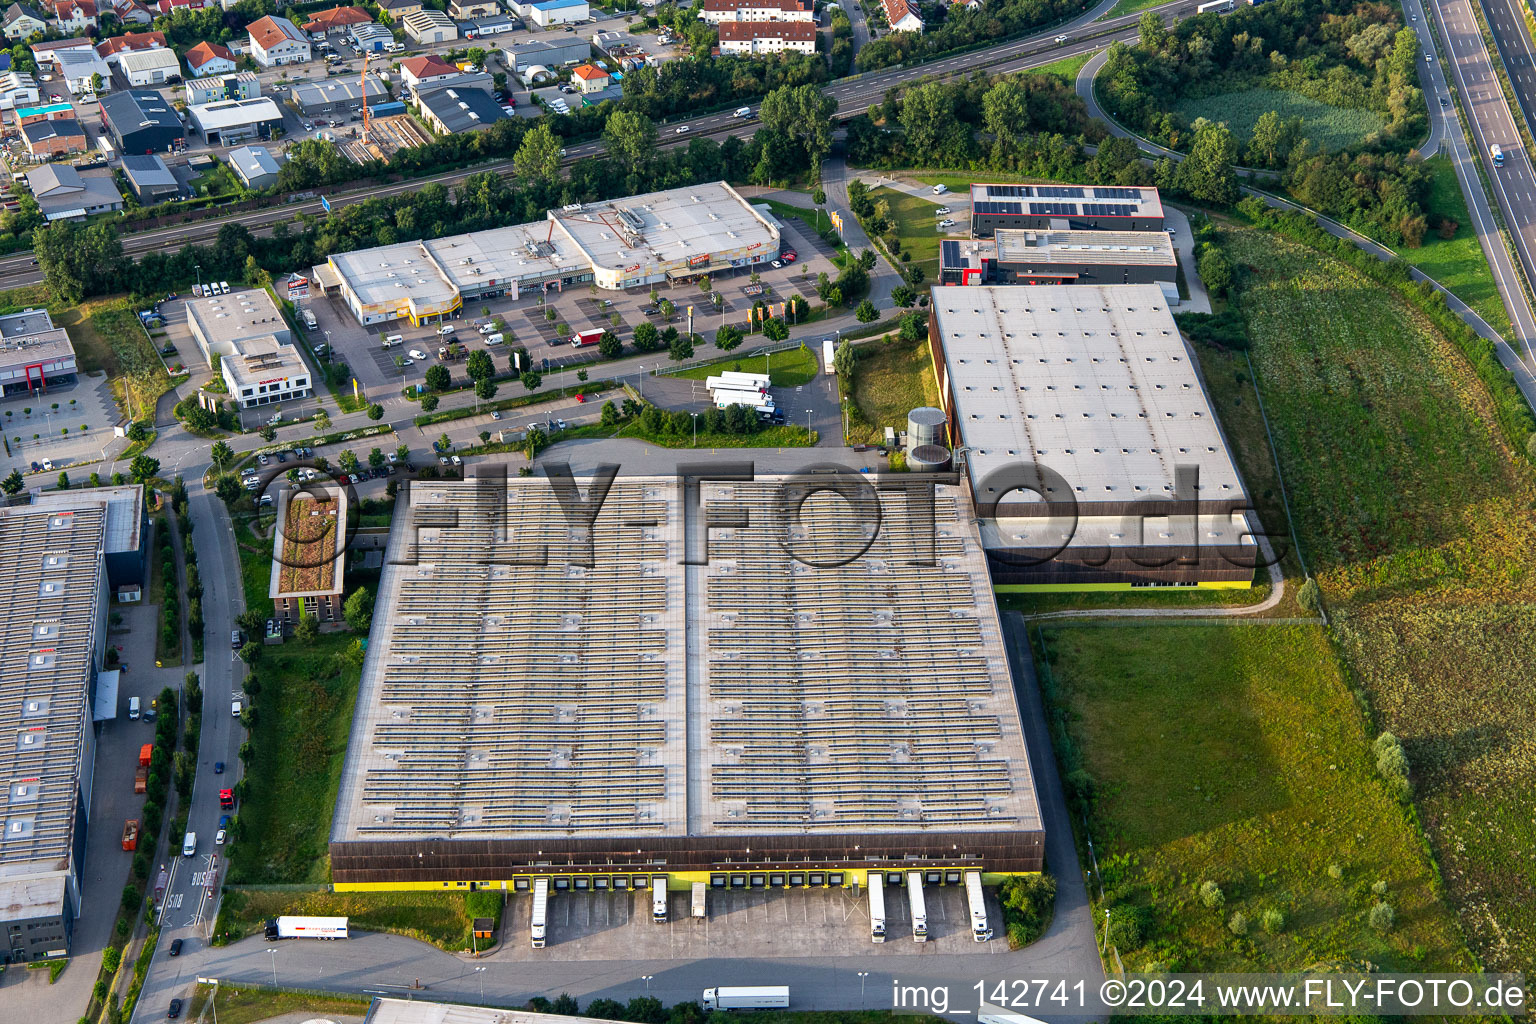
(700, 900)
(583, 339)
(659, 900)
(726, 399)
(756, 997)
(306, 928)
(876, 907)
(981, 931)
(919, 908)
(540, 911)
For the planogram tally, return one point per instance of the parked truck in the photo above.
(724, 383)
(876, 907)
(226, 799)
(146, 754)
(827, 361)
(586, 338)
(758, 380)
(757, 997)
(659, 899)
(981, 931)
(141, 780)
(919, 908)
(131, 834)
(700, 900)
(306, 928)
(540, 911)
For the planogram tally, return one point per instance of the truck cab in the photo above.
(227, 799)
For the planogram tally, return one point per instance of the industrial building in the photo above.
(144, 68)
(332, 96)
(309, 556)
(1095, 458)
(429, 26)
(371, 38)
(52, 638)
(126, 545)
(64, 193)
(255, 167)
(151, 180)
(675, 235)
(545, 13)
(53, 137)
(1062, 257)
(141, 121)
(553, 51)
(34, 354)
(798, 704)
(450, 111)
(1064, 208)
(219, 323)
(228, 122)
(241, 85)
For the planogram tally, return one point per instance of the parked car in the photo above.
(262, 459)
(218, 838)
(236, 640)
(942, 210)
(495, 414)
(176, 947)
(174, 1011)
(776, 264)
(392, 457)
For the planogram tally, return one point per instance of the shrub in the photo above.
(111, 957)
(1379, 888)
(1028, 901)
(1335, 872)
(1125, 928)
(1237, 924)
(1211, 896)
(1272, 921)
(1310, 596)
(1382, 917)
(1392, 764)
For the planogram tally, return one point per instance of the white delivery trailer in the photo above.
(876, 907)
(659, 900)
(723, 382)
(761, 380)
(987, 1013)
(1216, 7)
(919, 908)
(726, 399)
(826, 356)
(540, 910)
(700, 904)
(310, 928)
(981, 931)
(760, 997)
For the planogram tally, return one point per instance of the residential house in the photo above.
(590, 78)
(399, 9)
(466, 10)
(75, 15)
(18, 89)
(751, 37)
(255, 166)
(21, 21)
(110, 49)
(131, 12)
(450, 111)
(902, 16)
(46, 139)
(210, 59)
(428, 26)
(167, 7)
(970, 5)
(717, 11)
(335, 21)
(431, 67)
(63, 193)
(242, 85)
(371, 38)
(43, 52)
(78, 69)
(143, 68)
(150, 179)
(276, 41)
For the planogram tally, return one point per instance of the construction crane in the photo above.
(364, 85)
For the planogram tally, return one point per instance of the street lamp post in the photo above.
(807, 421)
(647, 979)
(695, 429)
(862, 976)
(199, 268)
(273, 951)
(481, 971)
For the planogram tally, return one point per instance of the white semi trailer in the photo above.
(760, 997)
(540, 911)
(919, 908)
(981, 931)
(876, 907)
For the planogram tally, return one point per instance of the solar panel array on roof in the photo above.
(1016, 191)
(1011, 209)
(1054, 209)
(1108, 210)
(949, 254)
(1059, 191)
(1117, 193)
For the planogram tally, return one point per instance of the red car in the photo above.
(788, 257)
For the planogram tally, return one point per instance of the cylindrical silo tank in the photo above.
(925, 425)
(928, 458)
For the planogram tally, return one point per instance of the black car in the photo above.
(650, 311)
(174, 1011)
(176, 947)
(282, 456)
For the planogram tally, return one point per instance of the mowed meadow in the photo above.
(1416, 517)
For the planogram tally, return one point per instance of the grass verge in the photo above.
(1065, 69)
(787, 369)
(1248, 766)
(247, 1005)
(439, 918)
(1457, 262)
(890, 378)
(915, 222)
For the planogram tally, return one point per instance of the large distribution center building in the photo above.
(1062, 257)
(757, 718)
(52, 638)
(1095, 459)
(624, 243)
(1064, 208)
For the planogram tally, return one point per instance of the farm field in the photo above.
(1331, 128)
(1414, 515)
(1457, 262)
(1248, 766)
(890, 379)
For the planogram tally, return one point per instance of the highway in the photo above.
(854, 96)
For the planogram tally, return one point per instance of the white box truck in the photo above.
(759, 997)
(876, 907)
(981, 931)
(659, 900)
(540, 910)
(700, 900)
(919, 908)
(294, 927)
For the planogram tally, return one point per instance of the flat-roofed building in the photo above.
(308, 555)
(265, 371)
(52, 639)
(34, 354)
(241, 85)
(1094, 456)
(331, 96)
(126, 541)
(746, 711)
(1013, 256)
(553, 50)
(1064, 208)
(220, 322)
(228, 122)
(545, 13)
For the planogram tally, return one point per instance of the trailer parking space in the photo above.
(741, 923)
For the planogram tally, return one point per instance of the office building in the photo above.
(219, 323)
(309, 556)
(1012, 256)
(34, 354)
(1064, 208)
(264, 371)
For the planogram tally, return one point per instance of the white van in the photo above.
(133, 708)
(939, 190)
(189, 844)
(446, 330)
(234, 709)
(743, 111)
(494, 339)
(391, 340)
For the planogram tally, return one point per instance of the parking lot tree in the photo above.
(538, 157)
(292, 475)
(775, 329)
(428, 403)
(485, 389)
(667, 308)
(375, 411)
(143, 468)
(376, 459)
(609, 346)
(680, 348)
(251, 652)
(532, 380)
(13, 483)
(727, 338)
(438, 377)
(322, 421)
(866, 313)
(222, 454)
(347, 461)
(479, 365)
(647, 338)
(444, 442)
(799, 309)
(403, 453)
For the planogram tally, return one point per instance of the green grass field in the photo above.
(303, 714)
(438, 918)
(787, 369)
(1248, 765)
(1332, 128)
(1415, 517)
(890, 379)
(247, 1005)
(1067, 68)
(1458, 262)
(1125, 7)
(916, 223)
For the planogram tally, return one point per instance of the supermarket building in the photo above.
(675, 235)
